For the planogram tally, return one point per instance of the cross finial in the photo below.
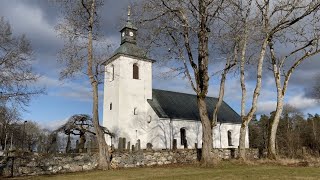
(129, 13)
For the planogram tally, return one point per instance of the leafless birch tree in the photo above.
(239, 29)
(274, 18)
(247, 21)
(295, 40)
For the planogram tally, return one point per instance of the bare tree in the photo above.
(8, 116)
(31, 136)
(274, 18)
(297, 33)
(241, 30)
(182, 30)
(79, 125)
(80, 28)
(244, 42)
(16, 73)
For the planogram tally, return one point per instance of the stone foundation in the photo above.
(35, 164)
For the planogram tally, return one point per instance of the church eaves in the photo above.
(130, 50)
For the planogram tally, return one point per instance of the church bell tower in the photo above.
(127, 86)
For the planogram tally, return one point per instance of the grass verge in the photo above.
(225, 170)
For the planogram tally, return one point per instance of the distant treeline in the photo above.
(297, 135)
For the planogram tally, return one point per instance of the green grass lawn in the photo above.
(225, 170)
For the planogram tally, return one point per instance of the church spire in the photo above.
(129, 14)
(128, 44)
(129, 31)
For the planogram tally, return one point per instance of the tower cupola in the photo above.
(129, 31)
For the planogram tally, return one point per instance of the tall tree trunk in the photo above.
(246, 119)
(273, 129)
(280, 95)
(227, 67)
(244, 124)
(202, 79)
(207, 141)
(281, 90)
(242, 140)
(104, 160)
(220, 99)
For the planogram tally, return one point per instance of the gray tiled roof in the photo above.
(131, 50)
(175, 105)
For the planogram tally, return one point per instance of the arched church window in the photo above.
(183, 136)
(110, 106)
(230, 138)
(135, 71)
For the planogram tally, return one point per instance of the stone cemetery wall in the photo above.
(181, 156)
(35, 164)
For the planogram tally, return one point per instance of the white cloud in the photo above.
(48, 82)
(80, 91)
(28, 19)
(301, 102)
(265, 107)
(52, 125)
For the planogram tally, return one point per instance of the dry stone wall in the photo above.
(187, 156)
(35, 164)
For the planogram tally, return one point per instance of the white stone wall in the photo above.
(220, 135)
(162, 131)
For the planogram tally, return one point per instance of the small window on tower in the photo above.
(135, 71)
(135, 111)
(112, 72)
(110, 106)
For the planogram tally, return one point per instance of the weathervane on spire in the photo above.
(129, 13)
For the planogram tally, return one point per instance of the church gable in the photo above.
(175, 105)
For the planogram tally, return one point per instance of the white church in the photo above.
(132, 109)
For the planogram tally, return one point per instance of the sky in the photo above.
(37, 19)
